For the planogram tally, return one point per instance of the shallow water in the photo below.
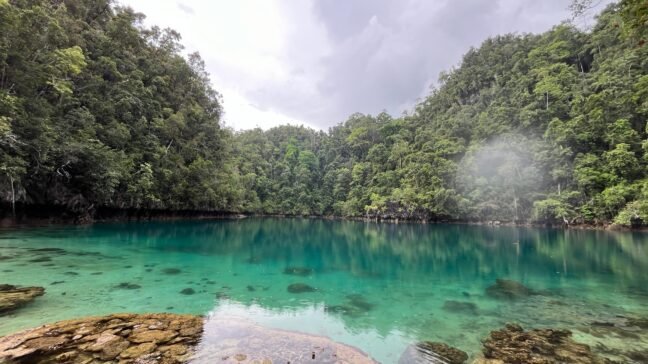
(378, 287)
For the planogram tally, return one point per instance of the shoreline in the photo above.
(37, 215)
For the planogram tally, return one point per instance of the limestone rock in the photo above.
(12, 297)
(137, 351)
(123, 338)
(159, 336)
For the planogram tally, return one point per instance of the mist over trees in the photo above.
(98, 110)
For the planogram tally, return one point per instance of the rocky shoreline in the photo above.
(120, 338)
(165, 338)
(47, 215)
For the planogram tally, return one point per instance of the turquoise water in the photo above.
(379, 287)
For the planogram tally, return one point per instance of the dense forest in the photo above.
(97, 110)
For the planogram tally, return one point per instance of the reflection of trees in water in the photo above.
(403, 250)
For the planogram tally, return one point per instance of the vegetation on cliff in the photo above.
(549, 127)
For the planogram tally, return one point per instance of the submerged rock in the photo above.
(460, 307)
(127, 285)
(12, 297)
(508, 289)
(171, 271)
(432, 352)
(228, 340)
(345, 309)
(355, 306)
(298, 271)
(40, 260)
(123, 338)
(640, 322)
(514, 345)
(359, 301)
(49, 250)
(188, 291)
(300, 288)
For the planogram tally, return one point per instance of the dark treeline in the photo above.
(98, 111)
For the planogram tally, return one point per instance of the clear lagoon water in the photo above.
(378, 287)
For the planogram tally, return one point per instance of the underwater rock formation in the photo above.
(356, 305)
(427, 352)
(461, 307)
(540, 346)
(300, 288)
(123, 338)
(171, 271)
(298, 271)
(127, 285)
(12, 297)
(508, 289)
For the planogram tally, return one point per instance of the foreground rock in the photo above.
(427, 352)
(120, 338)
(541, 346)
(12, 297)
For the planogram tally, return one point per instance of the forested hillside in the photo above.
(548, 127)
(97, 110)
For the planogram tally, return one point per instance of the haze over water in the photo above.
(379, 287)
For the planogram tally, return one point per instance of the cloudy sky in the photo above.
(315, 62)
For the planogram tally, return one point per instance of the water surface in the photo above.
(379, 287)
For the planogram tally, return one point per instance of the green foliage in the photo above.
(97, 110)
(548, 127)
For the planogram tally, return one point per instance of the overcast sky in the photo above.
(316, 62)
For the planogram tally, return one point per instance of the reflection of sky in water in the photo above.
(234, 328)
(377, 287)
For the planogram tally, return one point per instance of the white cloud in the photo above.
(314, 62)
(244, 45)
